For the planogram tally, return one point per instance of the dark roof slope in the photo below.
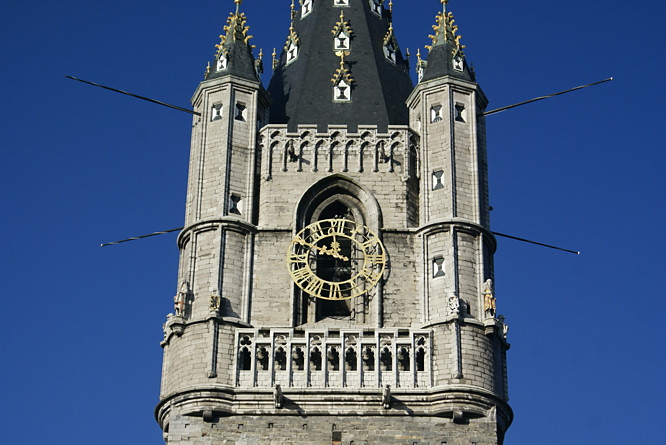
(302, 92)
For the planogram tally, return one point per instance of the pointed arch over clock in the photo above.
(338, 198)
(343, 188)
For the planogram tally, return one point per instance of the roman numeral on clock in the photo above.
(314, 287)
(300, 275)
(372, 259)
(370, 275)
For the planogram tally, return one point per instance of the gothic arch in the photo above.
(333, 197)
(357, 198)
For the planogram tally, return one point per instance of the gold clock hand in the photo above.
(322, 250)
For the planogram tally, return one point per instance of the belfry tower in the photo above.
(336, 267)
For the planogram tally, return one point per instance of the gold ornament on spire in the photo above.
(292, 38)
(342, 73)
(342, 26)
(390, 37)
(420, 65)
(445, 31)
(275, 61)
(236, 26)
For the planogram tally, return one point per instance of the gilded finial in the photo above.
(446, 31)
(407, 55)
(342, 55)
(391, 6)
(261, 54)
(293, 10)
(207, 70)
(236, 27)
(342, 27)
(275, 62)
(342, 73)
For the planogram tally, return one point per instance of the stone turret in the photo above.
(216, 245)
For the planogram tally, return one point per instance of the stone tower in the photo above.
(336, 265)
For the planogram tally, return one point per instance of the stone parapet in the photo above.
(329, 358)
(337, 150)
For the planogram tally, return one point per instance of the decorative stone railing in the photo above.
(329, 358)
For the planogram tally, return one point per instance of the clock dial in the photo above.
(336, 259)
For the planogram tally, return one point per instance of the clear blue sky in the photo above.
(81, 325)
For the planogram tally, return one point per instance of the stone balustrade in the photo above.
(331, 358)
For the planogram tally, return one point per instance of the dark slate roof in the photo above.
(444, 47)
(440, 64)
(302, 92)
(240, 60)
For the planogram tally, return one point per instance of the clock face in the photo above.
(336, 259)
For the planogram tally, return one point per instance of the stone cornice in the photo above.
(227, 222)
(444, 401)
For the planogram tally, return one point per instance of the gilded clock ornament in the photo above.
(336, 259)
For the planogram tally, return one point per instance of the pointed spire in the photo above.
(234, 52)
(446, 55)
(445, 30)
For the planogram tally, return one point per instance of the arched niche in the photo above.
(331, 198)
(339, 188)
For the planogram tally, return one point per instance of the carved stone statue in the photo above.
(215, 301)
(381, 153)
(489, 299)
(453, 307)
(386, 397)
(277, 396)
(505, 327)
(181, 299)
(291, 152)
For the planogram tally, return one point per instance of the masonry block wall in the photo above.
(367, 430)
